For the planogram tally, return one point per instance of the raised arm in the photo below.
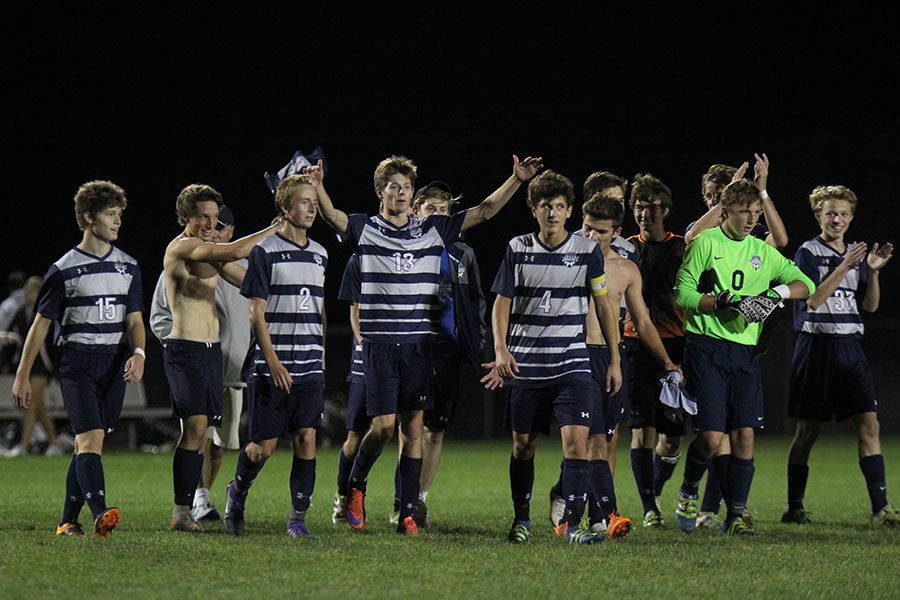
(21, 390)
(710, 219)
(334, 217)
(280, 375)
(778, 237)
(856, 252)
(137, 337)
(195, 249)
(877, 258)
(233, 273)
(490, 206)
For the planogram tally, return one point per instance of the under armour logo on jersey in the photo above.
(423, 398)
(285, 256)
(756, 262)
(318, 259)
(81, 270)
(461, 271)
(569, 260)
(529, 258)
(121, 269)
(585, 415)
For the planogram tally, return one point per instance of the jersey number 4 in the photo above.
(545, 301)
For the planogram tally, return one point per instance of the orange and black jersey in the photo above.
(659, 263)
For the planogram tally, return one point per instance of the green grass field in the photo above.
(463, 554)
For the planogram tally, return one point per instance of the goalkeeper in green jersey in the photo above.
(724, 287)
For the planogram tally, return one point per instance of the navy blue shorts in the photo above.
(93, 388)
(644, 373)
(273, 413)
(446, 392)
(607, 411)
(399, 377)
(830, 379)
(725, 380)
(529, 409)
(357, 419)
(194, 371)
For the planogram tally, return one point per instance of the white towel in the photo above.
(673, 394)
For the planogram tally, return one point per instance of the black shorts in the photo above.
(399, 377)
(607, 410)
(357, 419)
(644, 373)
(446, 392)
(194, 371)
(273, 413)
(529, 409)
(93, 388)
(830, 379)
(724, 379)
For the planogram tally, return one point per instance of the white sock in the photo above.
(422, 495)
(200, 496)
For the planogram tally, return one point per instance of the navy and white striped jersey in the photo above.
(291, 279)
(89, 297)
(350, 291)
(550, 290)
(400, 272)
(839, 314)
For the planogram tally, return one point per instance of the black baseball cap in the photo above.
(226, 217)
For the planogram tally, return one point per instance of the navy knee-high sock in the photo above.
(343, 477)
(642, 467)
(410, 472)
(303, 482)
(558, 485)
(663, 467)
(797, 477)
(873, 470)
(359, 474)
(575, 487)
(397, 479)
(716, 484)
(694, 467)
(740, 477)
(89, 471)
(74, 496)
(245, 473)
(187, 466)
(603, 493)
(521, 482)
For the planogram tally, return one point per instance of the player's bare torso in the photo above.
(620, 273)
(191, 292)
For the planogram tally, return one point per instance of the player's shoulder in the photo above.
(579, 243)
(119, 256)
(72, 258)
(522, 242)
(317, 248)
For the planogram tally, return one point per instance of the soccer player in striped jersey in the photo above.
(830, 378)
(285, 285)
(94, 294)
(544, 287)
(192, 356)
(400, 266)
(720, 363)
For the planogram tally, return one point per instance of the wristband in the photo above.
(783, 291)
(141, 352)
(764, 194)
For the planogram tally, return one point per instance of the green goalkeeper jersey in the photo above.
(713, 262)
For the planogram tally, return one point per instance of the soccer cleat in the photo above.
(234, 512)
(205, 511)
(408, 526)
(579, 536)
(394, 517)
(519, 533)
(296, 528)
(421, 515)
(737, 526)
(600, 527)
(708, 519)
(653, 519)
(184, 521)
(686, 512)
(356, 509)
(557, 507)
(107, 521)
(748, 518)
(800, 516)
(53, 450)
(339, 509)
(886, 517)
(618, 526)
(69, 529)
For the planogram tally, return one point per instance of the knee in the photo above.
(523, 448)
(258, 453)
(806, 433)
(382, 432)
(869, 430)
(597, 447)
(742, 443)
(668, 445)
(432, 437)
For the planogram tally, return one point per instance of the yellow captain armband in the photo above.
(598, 286)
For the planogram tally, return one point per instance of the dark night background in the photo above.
(156, 101)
